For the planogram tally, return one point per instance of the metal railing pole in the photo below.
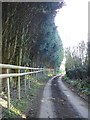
(29, 81)
(25, 82)
(36, 77)
(19, 85)
(8, 88)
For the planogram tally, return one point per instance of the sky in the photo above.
(72, 22)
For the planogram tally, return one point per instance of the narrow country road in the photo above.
(47, 108)
(58, 101)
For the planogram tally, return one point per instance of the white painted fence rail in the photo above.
(18, 67)
(11, 75)
(17, 74)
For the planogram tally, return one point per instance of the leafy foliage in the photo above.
(77, 61)
(81, 85)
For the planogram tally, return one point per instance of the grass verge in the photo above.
(20, 108)
(79, 85)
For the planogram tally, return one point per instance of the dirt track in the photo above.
(55, 103)
(62, 107)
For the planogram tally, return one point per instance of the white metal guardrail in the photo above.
(17, 74)
(18, 67)
(8, 75)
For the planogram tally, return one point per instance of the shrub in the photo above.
(77, 73)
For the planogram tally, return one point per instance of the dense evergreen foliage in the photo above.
(30, 36)
(77, 61)
(78, 67)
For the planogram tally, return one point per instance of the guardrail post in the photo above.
(11, 81)
(36, 77)
(43, 73)
(19, 85)
(8, 88)
(25, 82)
(29, 81)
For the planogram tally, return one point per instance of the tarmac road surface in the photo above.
(59, 101)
